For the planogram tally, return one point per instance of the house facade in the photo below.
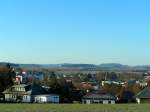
(93, 98)
(49, 98)
(28, 94)
(143, 96)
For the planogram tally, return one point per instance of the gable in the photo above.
(145, 93)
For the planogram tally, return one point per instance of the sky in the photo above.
(75, 31)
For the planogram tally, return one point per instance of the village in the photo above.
(103, 87)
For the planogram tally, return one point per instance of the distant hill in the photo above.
(113, 66)
(105, 66)
(11, 64)
(20, 65)
(78, 66)
(110, 65)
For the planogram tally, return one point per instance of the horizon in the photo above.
(72, 63)
(78, 31)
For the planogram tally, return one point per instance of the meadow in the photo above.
(74, 108)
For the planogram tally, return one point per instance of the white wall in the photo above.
(88, 102)
(7, 97)
(97, 101)
(138, 100)
(46, 98)
(112, 102)
(105, 102)
(26, 98)
(40, 99)
(10, 97)
(54, 99)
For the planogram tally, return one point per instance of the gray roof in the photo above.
(145, 93)
(36, 90)
(99, 96)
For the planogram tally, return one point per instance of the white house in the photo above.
(112, 82)
(98, 98)
(29, 93)
(48, 98)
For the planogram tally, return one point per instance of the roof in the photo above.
(21, 85)
(99, 96)
(36, 90)
(29, 89)
(47, 95)
(145, 93)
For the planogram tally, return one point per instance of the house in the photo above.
(51, 98)
(106, 82)
(1, 97)
(112, 82)
(143, 96)
(147, 78)
(28, 94)
(99, 98)
(90, 85)
(142, 83)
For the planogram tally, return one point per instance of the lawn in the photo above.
(74, 108)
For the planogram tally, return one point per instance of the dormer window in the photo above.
(19, 89)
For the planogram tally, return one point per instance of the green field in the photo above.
(74, 108)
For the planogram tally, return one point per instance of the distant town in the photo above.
(74, 83)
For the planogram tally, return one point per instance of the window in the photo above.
(100, 102)
(13, 96)
(55, 97)
(25, 97)
(109, 102)
(40, 99)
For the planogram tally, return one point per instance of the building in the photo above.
(99, 98)
(18, 79)
(143, 96)
(147, 78)
(112, 82)
(28, 94)
(51, 98)
(90, 85)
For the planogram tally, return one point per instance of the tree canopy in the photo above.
(6, 77)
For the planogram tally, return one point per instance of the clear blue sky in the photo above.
(75, 31)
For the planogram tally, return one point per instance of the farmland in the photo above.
(74, 108)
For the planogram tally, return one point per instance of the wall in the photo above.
(46, 98)
(145, 100)
(10, 97)
(53, 98)
(138, 100)
(88, 102)
(105, 102)
(84, 101)
(26, 98)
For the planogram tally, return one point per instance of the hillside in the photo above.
(105, 66)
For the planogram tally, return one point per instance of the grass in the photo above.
(74, 108)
